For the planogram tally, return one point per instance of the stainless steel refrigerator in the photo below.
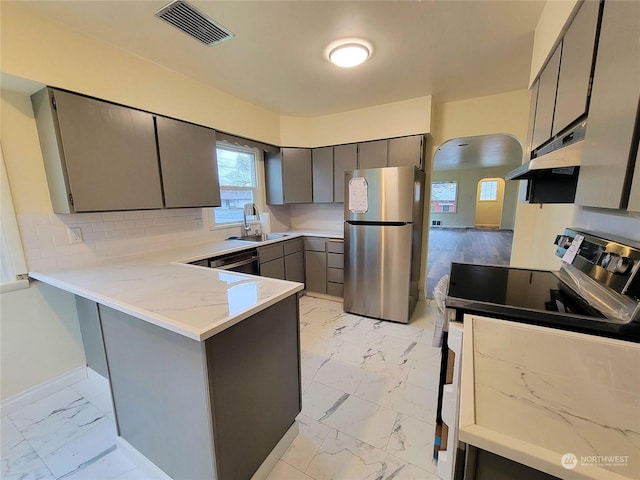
(383, 211)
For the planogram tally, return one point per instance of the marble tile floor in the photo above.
(368, 409)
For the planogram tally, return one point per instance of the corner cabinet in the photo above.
(98, 156)
(289, 176)
(345, 159)
(394, 152)
(188, 164)
(322, 160)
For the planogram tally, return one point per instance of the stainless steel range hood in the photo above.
(560, 157)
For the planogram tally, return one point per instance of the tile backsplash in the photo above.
(109, 235)
(317, 216)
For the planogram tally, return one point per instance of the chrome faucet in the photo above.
(249, 210)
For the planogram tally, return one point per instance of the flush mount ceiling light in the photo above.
(348, 53)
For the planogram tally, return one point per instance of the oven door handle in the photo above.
(238, 264)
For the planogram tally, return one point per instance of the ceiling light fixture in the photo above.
(348, 53)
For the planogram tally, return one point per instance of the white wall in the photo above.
(39, 337)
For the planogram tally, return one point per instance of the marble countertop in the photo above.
(162, 289)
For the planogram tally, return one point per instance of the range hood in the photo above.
(559, 157)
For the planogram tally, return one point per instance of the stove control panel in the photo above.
(614, 263)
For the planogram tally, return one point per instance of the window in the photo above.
(238, 183)
(488, 191)
(443, 197)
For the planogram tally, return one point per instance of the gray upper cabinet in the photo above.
(188, 161)
(406, 151)
(634, 196)
(547, 87)
(98, 156)
(289, 176)
(345, 159)
(532, 118)
(575, 67)
(609, 148)
(373, 154)
(322, 160)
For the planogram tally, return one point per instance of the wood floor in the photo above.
(467, 245)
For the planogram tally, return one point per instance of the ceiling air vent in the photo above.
(191, 21)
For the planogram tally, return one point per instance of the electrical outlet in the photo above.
(75, 235)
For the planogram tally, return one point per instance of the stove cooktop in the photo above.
(530, 296)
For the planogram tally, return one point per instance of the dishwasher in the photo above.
(245, 261)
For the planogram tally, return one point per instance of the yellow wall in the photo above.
(489, 213)
(396, 119)
(551, 25)
(38, 49)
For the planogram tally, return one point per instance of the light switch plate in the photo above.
(75, 235)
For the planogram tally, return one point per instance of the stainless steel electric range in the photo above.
(596, 291)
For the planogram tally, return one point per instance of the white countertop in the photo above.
(193, 301)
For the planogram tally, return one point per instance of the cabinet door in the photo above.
(322, 159)
(547, 87)
(294, 267)
(110, 154)
(188, 163)
(315, 264)
(575, 67)
(372, 154)
(406, 151)
(606, 161)
(273, 269)
(532, 120)
(345, 159)
(273, 178)
(634, 196)
(296, 171)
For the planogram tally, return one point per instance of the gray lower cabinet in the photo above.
(294, 267)
(212, 409)
(188, 162)
(272, 261)
(345, 159)
(373, 154)
(609, 147)
(335, 267)
(288, 175)
(322, 160)
(324, 265)
(91, 330)
(315, 271)
(98, 156)
(406, 151)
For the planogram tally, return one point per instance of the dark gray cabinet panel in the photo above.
(634, 196)
(188, 162)
(547, 87)
(270, 252)
(315, 244)
(406, 151)
(335, 289)
(297, 173)
(345, 159)
(316, 271)
(575, 67)
(335, 246)
(91, 329)
(107, 153)
(607, 160)
(254, 378)
(335, 260)
(273, 269)
(322, 159)
(292, 246)
(289, 176)
(294, 267)
(373, 154)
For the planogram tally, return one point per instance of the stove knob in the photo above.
(623, 265)
(606, 261)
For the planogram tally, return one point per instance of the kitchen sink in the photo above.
(262, 237)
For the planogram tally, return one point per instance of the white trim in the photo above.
(267, 465)
(33, 394)
(140, 461)
(13, 286)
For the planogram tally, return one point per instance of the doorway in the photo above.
(489, 202)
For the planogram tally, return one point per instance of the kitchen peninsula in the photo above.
(203, 364)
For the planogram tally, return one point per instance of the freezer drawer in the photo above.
(377, 276)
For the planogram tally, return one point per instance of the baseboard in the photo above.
(140, 461)
(324, 296)
(270, 462)
(33, 394)
(98, 379)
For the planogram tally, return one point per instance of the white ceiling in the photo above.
(452, 50)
